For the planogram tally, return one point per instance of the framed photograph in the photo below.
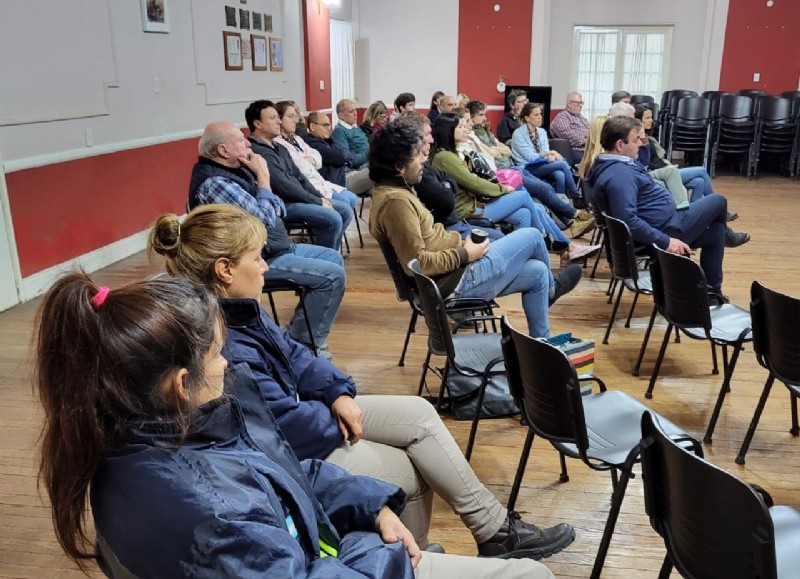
(155, 15)
(258, 45)
(230, 16)
(244, 19)
(256, 20)
(267, 22)
(275, 54)
(233, 50)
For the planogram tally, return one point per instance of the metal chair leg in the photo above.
(425, 366)
(611, 522)
(614, 312)
(564, 476)
(795, 430)
(478, 411)
(666, 568)
(723, 390)
(358, 228)
(301, 295)
(412, 325)
(633, 308)
(751, 430)
(645, 341)
(657, 368)
(523, 462)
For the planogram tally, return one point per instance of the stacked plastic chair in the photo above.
(776, 132)
(735, 130)
(689, 127)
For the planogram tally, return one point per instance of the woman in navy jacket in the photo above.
(132, 386)
(398, 439)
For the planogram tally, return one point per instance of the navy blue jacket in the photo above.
(336, 160)
(297, 387)
(285, 178)
(625, 190)
(215, 503)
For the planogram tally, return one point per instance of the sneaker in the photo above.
(434, 548)
(517, 539)
(583, 215)
(584, 252)
(555, 246)
(579, 228)
(731, 216)
(565, 282)
(735, 238)
(716, 298)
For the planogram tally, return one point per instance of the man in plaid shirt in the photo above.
(570, 124)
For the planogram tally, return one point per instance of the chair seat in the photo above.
(475, 351)
(727, 323)
(644, 282)
(786, 521)
(613, 421)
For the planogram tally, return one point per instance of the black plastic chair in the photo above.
(735, 131)
(639, 99)
(289, 285)
(600, 429)
(689, 127)
(776, 131)
(108, 561)
(776, 341)
(714, 525)
(476, 356)
(301, 228)
(680, 292)
(625, 269)
(668, 116)
(407, 292)
(753, 93)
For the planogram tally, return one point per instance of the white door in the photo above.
(8, 270)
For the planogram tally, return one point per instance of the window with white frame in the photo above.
(611, 58)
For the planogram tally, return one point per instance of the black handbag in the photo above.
(478, 165)
(463, 397)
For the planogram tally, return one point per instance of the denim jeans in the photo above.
(464, 229)
(321, 270)
(346, 196)
(327, 224)
(545, 193)
(517, 263)
(516, 208)
(544, 223)
(703, 225)
(561, 175)
(698, 180)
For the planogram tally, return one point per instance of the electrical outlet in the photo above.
(322, 85)
(87, 137)
(156, 85)
(756, 76)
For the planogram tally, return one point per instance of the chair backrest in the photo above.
(776, 332)
(714, 525)
(753, 92)
(404, 285)
(675, 97)
(693, 109)
(774, 109)
(638, 99)
(542, 378)
(563, 148)
(621, 249)
(440, 341)
(680, 290)
(735, 107)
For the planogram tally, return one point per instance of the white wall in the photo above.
(90, 59)
(406, 47)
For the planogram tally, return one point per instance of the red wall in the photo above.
(316, 22)
(65, 210)
(764, 40)
(493, 44)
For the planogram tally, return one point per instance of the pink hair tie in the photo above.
(100, 297)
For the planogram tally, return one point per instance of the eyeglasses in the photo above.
(577, 102)
(323, 125)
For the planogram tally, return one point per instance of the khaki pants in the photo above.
(406, 443)
(438, 566)
(358, 181)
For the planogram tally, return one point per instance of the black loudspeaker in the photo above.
(536, 94)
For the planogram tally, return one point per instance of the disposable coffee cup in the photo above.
(478, 236)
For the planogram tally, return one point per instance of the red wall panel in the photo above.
(762, 39)
(316, 20)
(493, 44)
(65, 210)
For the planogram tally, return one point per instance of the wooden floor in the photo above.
(367, 339)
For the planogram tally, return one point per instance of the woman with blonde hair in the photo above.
(593, 146)
(397, 439)
(375, 117)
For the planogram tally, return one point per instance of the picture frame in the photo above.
(275, 54)
(259, 51)
(244, 19)
(230, 17)
(256, 23)
(232, 42)
(155, 15)
(267, 22)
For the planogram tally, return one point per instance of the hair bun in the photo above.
(165, 237)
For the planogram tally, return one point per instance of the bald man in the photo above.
(570, 124)
(348, 135)
(227, 171)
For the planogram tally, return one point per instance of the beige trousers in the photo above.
(438, 566)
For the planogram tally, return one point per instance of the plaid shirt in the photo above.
(574, 128)
(267, 206)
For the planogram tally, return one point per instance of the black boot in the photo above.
(517, 539)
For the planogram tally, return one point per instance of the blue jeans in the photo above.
(516, 208)
(327, 224)
(561, 175)
(346, 196)
(703, 225)
(517, 263)
(545, 193)
(321, 270)
(698, 180)
(544, 223)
